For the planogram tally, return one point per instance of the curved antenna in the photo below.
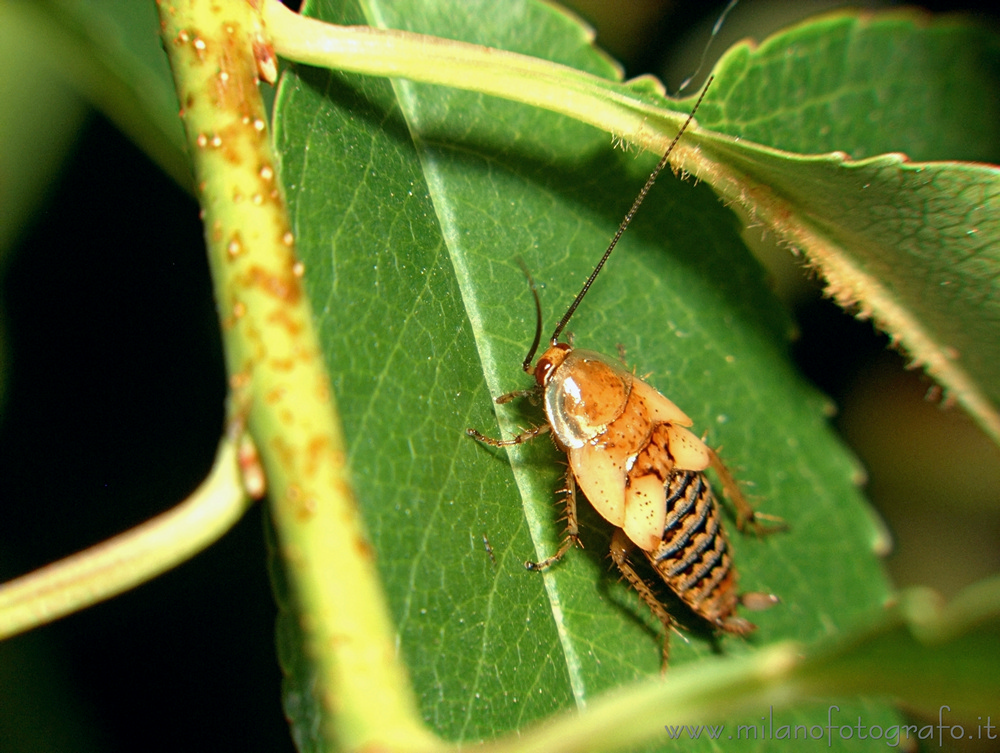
(628, 218)
(526, 365)
(704, 53)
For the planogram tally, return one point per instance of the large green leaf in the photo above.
(111, 55)
(902, 81)
(410, 204)
(911, 244)
(942, 663)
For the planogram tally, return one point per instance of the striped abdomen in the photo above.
(693, 557)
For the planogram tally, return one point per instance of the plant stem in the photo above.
(279, 378)
(131, 558)
(520, 78)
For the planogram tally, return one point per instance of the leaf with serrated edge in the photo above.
(410, 204)
(914, 245)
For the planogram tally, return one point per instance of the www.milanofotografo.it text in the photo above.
(840, 729)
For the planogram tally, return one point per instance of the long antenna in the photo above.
(538, 317)
(628, 219)
(704, 53)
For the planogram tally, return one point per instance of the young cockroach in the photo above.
(631, 453)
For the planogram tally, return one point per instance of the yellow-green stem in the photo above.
(278, 376)
(447, 62)
(134, 557)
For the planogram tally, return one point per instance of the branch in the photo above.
(131, 558)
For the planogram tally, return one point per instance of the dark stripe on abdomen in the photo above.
(693, 558)
(689, 502)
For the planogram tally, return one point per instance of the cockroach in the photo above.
(631, 453)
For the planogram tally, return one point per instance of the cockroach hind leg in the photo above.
(777, 523)
(746, 516)
(737, 625)
(548, 562)
(620, 548)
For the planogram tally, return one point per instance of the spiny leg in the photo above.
(620, 547)
(572, 535)
(755, 601)
(745, 514)
(624, 363)
(524, 436)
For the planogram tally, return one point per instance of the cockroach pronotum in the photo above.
(631, 453)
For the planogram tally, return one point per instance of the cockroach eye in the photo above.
(549, 362)
(543, 370)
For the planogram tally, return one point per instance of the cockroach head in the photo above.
(550, 361)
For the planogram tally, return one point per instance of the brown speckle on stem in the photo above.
(285, 320)
(283, 287)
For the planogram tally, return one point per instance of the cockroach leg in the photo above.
(572, 536)
(514, 395)
(620, 547)
(524, 436)
(746, 516)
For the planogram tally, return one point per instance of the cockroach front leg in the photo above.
(620, 548)
(572, 527)
(746, 516)
(515, 394)
(524, 436)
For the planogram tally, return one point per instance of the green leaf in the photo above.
(942, 662)
(410, 204)
(865, 84)
(933, 659)
(912, 245)
(42, 121)
(110, 54)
